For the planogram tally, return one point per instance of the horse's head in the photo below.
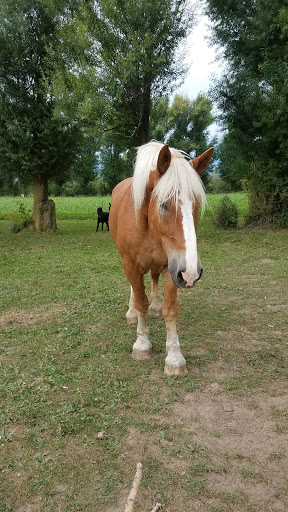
(176, 193)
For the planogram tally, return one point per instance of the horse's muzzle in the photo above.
(177, 275)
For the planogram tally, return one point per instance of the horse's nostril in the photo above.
(180, 277)
(200, 272)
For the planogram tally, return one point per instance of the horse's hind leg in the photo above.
(131, 314)
(155, 307)
(142, 348)
(175, 363)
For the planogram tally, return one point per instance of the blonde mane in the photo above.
(180, 179)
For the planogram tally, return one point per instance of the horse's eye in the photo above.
(164, 207)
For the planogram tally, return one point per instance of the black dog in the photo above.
(103, 218)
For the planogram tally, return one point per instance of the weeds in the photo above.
(22, 218)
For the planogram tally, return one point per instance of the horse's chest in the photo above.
(154, 259)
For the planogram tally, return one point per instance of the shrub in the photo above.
(22, 218)
(226, 215)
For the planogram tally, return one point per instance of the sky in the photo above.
(202, 61)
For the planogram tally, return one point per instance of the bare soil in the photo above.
(238, 447)
(31, 318)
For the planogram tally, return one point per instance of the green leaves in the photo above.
(137, 43)
(253, 97)
(32, 139)
(188, 121)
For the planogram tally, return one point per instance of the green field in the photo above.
(78, 413)
(67, 208)
(85, 208)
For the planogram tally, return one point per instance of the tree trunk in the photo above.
(44, 212)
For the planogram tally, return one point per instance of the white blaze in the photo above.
(191, 255)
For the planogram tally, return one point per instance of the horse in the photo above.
(103, 217)
(153, 221)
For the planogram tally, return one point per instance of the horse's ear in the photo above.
(164, 159)
(200, 163)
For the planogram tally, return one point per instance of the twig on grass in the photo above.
(135, 486)
(157, 507)
(129, 507)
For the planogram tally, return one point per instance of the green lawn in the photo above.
(67, 208)
(85, 208)
(78, 413)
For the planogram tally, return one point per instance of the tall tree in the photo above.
(159, 123)
(231, 163)
(138, 42)
(34, 144)
(188, 123)
(126, 53)
(253, 97)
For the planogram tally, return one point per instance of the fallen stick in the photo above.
(157, 507)
(129, 507)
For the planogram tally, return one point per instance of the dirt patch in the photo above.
(263, 261)
(233, 450)
(241, 436)
(35, 505)
(17, 430)
(32, 318)
(278, 308)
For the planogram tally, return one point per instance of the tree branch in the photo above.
(135, 486)
(157, 507)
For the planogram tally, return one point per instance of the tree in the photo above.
(188, 123)
(232, 166)
(159, 123)
(182, 125)
(128, 54)
(35, 145)
(137, 44)
(253, 97)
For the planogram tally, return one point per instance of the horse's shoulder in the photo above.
(122, 186)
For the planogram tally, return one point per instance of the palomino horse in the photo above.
(153, 220)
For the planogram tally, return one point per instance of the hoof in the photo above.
(175, 370)
(141, 355)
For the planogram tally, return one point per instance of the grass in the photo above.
(67, 374)
(67, 208)
(85, 208)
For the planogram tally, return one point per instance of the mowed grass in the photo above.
(67, 208)
(78, 413)
(85, 208)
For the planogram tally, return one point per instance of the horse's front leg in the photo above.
(155, 307)
(142, 348)
(175, 363)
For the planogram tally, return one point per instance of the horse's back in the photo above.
(122, 203)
